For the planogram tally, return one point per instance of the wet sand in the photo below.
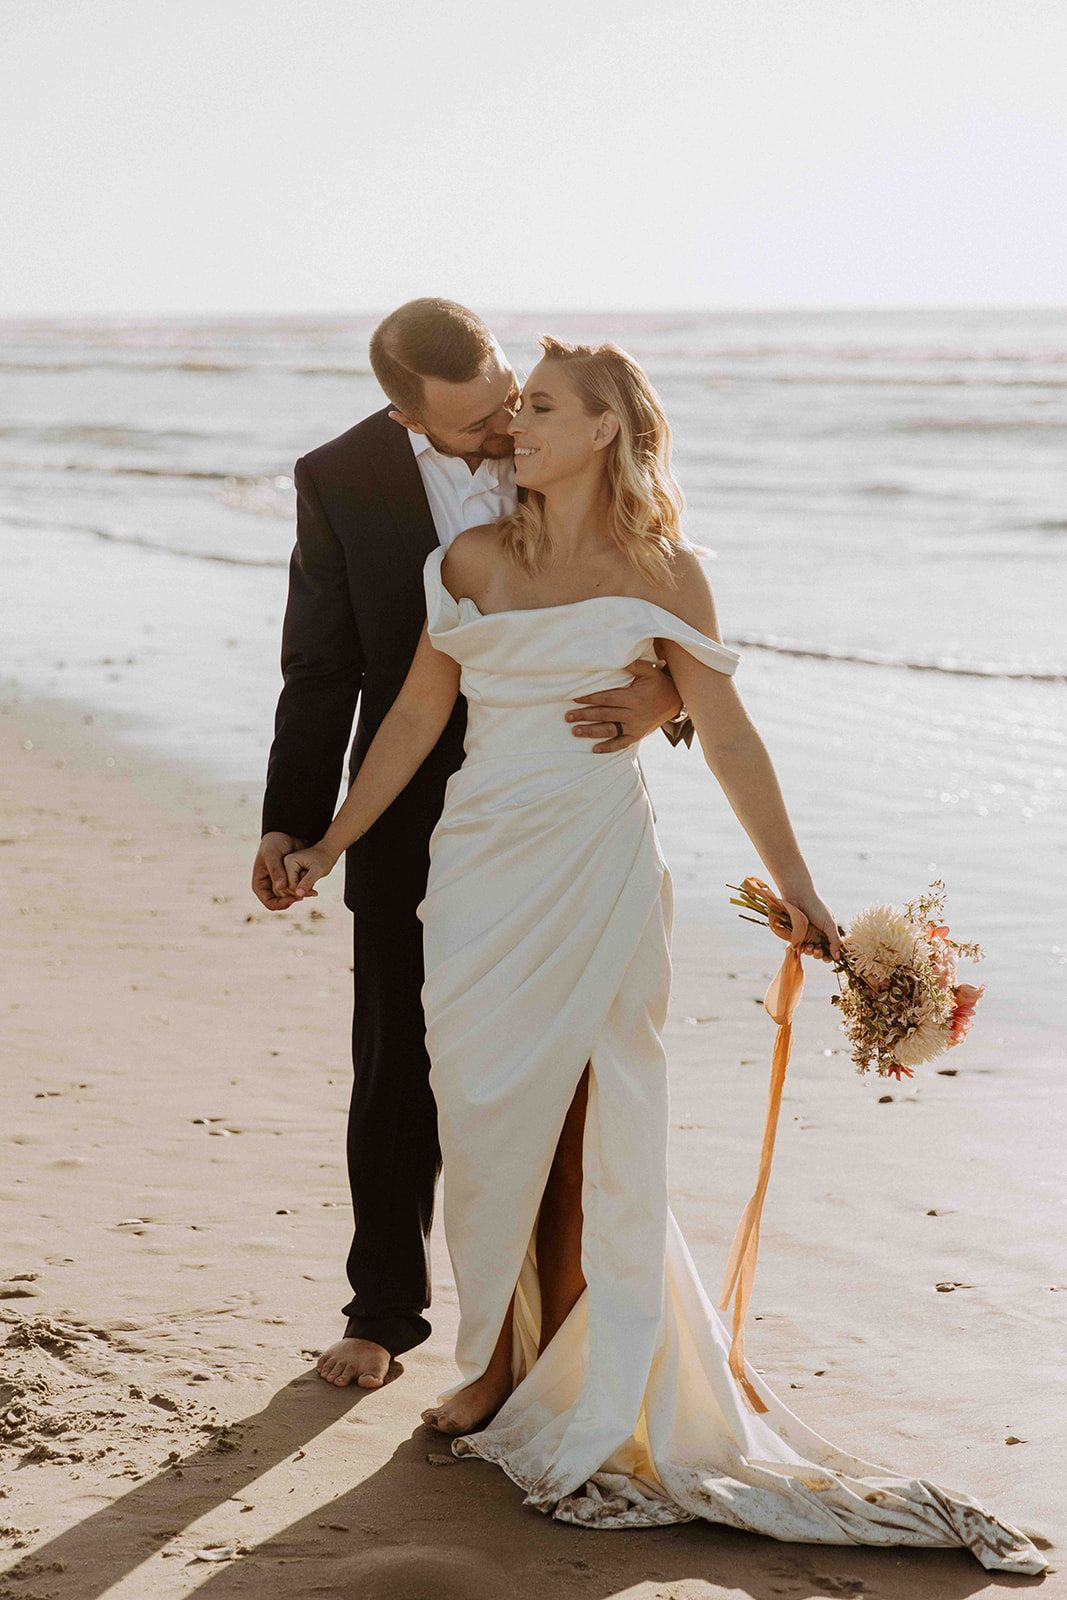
(176, 1220)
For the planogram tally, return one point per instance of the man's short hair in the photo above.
(427, 339)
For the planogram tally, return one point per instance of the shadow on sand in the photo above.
(457, 1531)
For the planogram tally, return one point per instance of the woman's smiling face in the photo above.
(555, 437)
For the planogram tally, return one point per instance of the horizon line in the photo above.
(631, 310)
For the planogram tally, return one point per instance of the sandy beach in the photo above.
(178, 1066)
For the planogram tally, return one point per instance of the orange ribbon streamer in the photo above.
(780, 1002)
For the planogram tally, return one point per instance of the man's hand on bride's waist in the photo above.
(622, 717)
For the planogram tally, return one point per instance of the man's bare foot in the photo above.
(357, 1361)
(472, 1407)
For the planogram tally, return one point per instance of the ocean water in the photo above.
(883, 496)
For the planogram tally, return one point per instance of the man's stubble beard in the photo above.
(495, 447)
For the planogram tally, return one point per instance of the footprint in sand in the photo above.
(440, 1570)
(20, 1286)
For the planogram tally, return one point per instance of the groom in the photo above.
(371, 505)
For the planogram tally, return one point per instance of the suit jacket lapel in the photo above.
(402, 487)
(398, 474)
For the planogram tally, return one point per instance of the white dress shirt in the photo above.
(460, 498)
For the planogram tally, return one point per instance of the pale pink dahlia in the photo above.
(967, 998)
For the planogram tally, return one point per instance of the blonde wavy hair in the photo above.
(646, 501)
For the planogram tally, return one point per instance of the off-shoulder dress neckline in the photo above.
(567, 605)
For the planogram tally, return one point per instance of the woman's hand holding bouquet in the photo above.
(900, 1002)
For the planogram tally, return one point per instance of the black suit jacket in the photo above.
(355, 612)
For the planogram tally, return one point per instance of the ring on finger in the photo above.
(618, 730)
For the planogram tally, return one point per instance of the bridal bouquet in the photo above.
(901, 1006)
(900, 1003)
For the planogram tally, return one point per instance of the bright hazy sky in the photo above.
(342, 155)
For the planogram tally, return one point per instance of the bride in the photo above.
(594, 1369)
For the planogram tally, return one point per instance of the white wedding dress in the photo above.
(547, 926)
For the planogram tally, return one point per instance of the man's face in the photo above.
(469, 419)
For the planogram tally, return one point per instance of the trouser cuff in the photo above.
(395, 1331)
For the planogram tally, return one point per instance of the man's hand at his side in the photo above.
(649, 701)
(269, 882)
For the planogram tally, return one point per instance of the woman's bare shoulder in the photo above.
(689, 596)
(469, 560)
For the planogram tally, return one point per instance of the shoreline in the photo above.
(178, 1219)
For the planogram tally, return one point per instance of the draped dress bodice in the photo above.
(520, 670)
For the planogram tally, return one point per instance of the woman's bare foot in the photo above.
(472, 1407)
(359, 1361)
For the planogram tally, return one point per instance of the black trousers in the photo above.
(393, 1155)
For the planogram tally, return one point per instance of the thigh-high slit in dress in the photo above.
(547, 924)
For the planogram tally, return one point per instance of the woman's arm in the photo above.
(738, 757)
(413, 725)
